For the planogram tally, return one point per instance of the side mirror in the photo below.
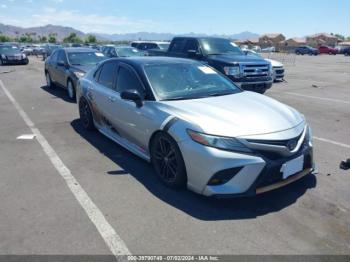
(193, 54)
(132, 95)
(61, 63)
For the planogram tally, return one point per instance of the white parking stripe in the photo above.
(316, 97)
(331, 142)
(112, 239)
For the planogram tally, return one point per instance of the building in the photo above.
(322, 39)
(268, 40)
(290, 44)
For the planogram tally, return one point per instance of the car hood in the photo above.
(237, 115)
(274, 63)
(82, 68)
(234, 59)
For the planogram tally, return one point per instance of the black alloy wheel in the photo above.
(86, 115)
(167, 161)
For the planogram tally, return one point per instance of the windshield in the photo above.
(7, 49)
(217, 46)
(253, 54)
(128, 51)
(187, 81)
(85, 58)
(164, 46)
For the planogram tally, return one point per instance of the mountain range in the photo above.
(63, 31)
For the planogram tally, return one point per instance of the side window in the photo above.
(191, 44)
(107, 74)
(97, 73)
(128, 80)
(152, 46)
(178, 45)
(62, 56)
(54, 56)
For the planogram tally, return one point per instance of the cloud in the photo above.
(3, 6)
(84, 22)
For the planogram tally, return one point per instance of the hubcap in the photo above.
(165, 160)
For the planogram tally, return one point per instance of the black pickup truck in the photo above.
(250, 73)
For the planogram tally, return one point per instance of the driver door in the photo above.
(133, 123)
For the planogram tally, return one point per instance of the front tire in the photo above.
(71, 90)
(167, 161)
(86, 115)
(48, 80)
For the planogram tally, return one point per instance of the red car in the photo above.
(323, 49)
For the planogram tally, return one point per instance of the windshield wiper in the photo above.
(220, 94)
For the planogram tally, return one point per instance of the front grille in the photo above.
(14, 57)
(272, 174)
(280, 71)
(255, 70)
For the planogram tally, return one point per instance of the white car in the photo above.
(277, 67)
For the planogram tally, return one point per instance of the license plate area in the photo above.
(292, 167)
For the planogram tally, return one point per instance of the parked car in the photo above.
(250, 73)
(27, 49)
(65, 66)
(195, 126)
(270, 49)
(48, 50)
(277, 67)
(122, 51)
(306, 50)
(147, 45)
(323, 49)
(38, 50)
(346, 51)
(10, 54)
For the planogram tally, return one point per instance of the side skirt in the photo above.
(124, 143)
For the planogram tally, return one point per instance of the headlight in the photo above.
(24, 56)
(79, 74)
(224, 143)
(3, 56)
(232, 70)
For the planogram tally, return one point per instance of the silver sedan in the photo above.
(195, 126)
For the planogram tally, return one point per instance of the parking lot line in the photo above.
(107, 232)
(316, 97)
(331, 142)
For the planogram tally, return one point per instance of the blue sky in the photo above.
(293, 18)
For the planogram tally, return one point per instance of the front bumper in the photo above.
(278, 73)
(15, 61)
(259, 84)
(259, 173)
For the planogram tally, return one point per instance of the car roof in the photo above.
(154, 60)
(78, 49)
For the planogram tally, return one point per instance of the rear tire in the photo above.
(86, 117)
(167, 161)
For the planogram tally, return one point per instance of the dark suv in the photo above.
(306, 50)
(65, 66)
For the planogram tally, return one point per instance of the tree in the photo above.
(340, 36)
(72, 38)
(91, 39)
(52, 38)
(4, 38)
